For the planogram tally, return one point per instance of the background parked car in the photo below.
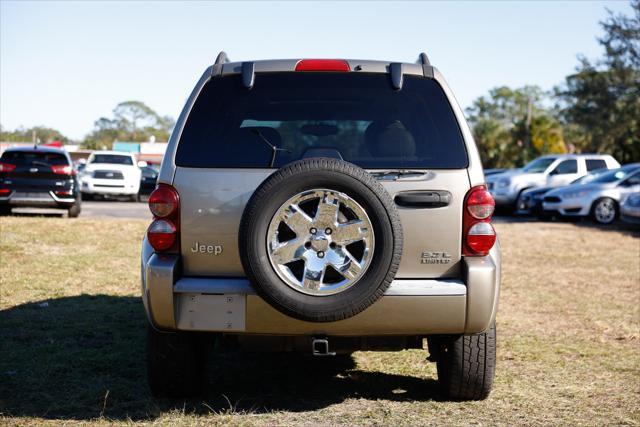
(38, 177)
(488, 172)
(630, 209)
(550, 171)
(111, 173)
(148, 180)
(599, 198)
(530, 201)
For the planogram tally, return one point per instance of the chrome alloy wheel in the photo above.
(320, 242)
(605, 211)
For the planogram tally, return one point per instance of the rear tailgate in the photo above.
(211, 213)
(234, 138)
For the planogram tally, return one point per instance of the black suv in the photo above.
(38, 177)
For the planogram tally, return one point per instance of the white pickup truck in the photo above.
(111, 173)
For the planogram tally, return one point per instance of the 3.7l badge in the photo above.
(432, 257)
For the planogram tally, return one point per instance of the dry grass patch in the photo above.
(568, 336)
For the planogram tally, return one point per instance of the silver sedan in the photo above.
(599, 198)
(630, 209)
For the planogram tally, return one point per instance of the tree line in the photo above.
(131, 121)
(595, 109)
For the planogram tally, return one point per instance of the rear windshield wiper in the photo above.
(393, 175)
(274, 149)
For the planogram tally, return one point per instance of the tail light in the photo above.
(162, 234)
(63, 170)
(6, 167)
(63, 193)
(478, 235)
(322, 65)
(164, 203)
(4, 192)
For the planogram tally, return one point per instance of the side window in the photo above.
(631, 181)
(593, 164)
(567, 166)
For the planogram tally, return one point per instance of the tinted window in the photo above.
(539, 165)
(111, 158)
(615, 175)
(29, 158)
(567, 166)
(295, 115)
(593, 164)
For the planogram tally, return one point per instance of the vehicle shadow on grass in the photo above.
(82, 357)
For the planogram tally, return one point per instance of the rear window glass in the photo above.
(288, 116)
(29, 158)
(112, 159)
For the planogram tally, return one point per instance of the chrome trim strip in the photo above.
(435, 287)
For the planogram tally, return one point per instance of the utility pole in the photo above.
(33, 136)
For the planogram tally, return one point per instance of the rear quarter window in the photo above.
(594, 164)
(296, 115)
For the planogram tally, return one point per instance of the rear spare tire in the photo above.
(320, 240)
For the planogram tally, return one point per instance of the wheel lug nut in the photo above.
(332, 245)
(327, 231)
(313, 230)
(320, 254)
(307, 245)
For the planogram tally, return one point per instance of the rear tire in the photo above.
(466, 364)
(74, 211)
(5, 210)
(175, 363)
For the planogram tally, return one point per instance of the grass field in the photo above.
(72, 341)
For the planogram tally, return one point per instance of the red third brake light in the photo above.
(162, 234)
(322, 65)
(478, 235)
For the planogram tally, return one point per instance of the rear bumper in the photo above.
(44, 199)
(409, 307)
(110, 187)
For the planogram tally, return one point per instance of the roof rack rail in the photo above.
(221, 59)
(427, 68)
(422, 59)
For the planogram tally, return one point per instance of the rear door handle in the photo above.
(423, 199)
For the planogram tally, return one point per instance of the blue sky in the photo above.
(65, 64)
